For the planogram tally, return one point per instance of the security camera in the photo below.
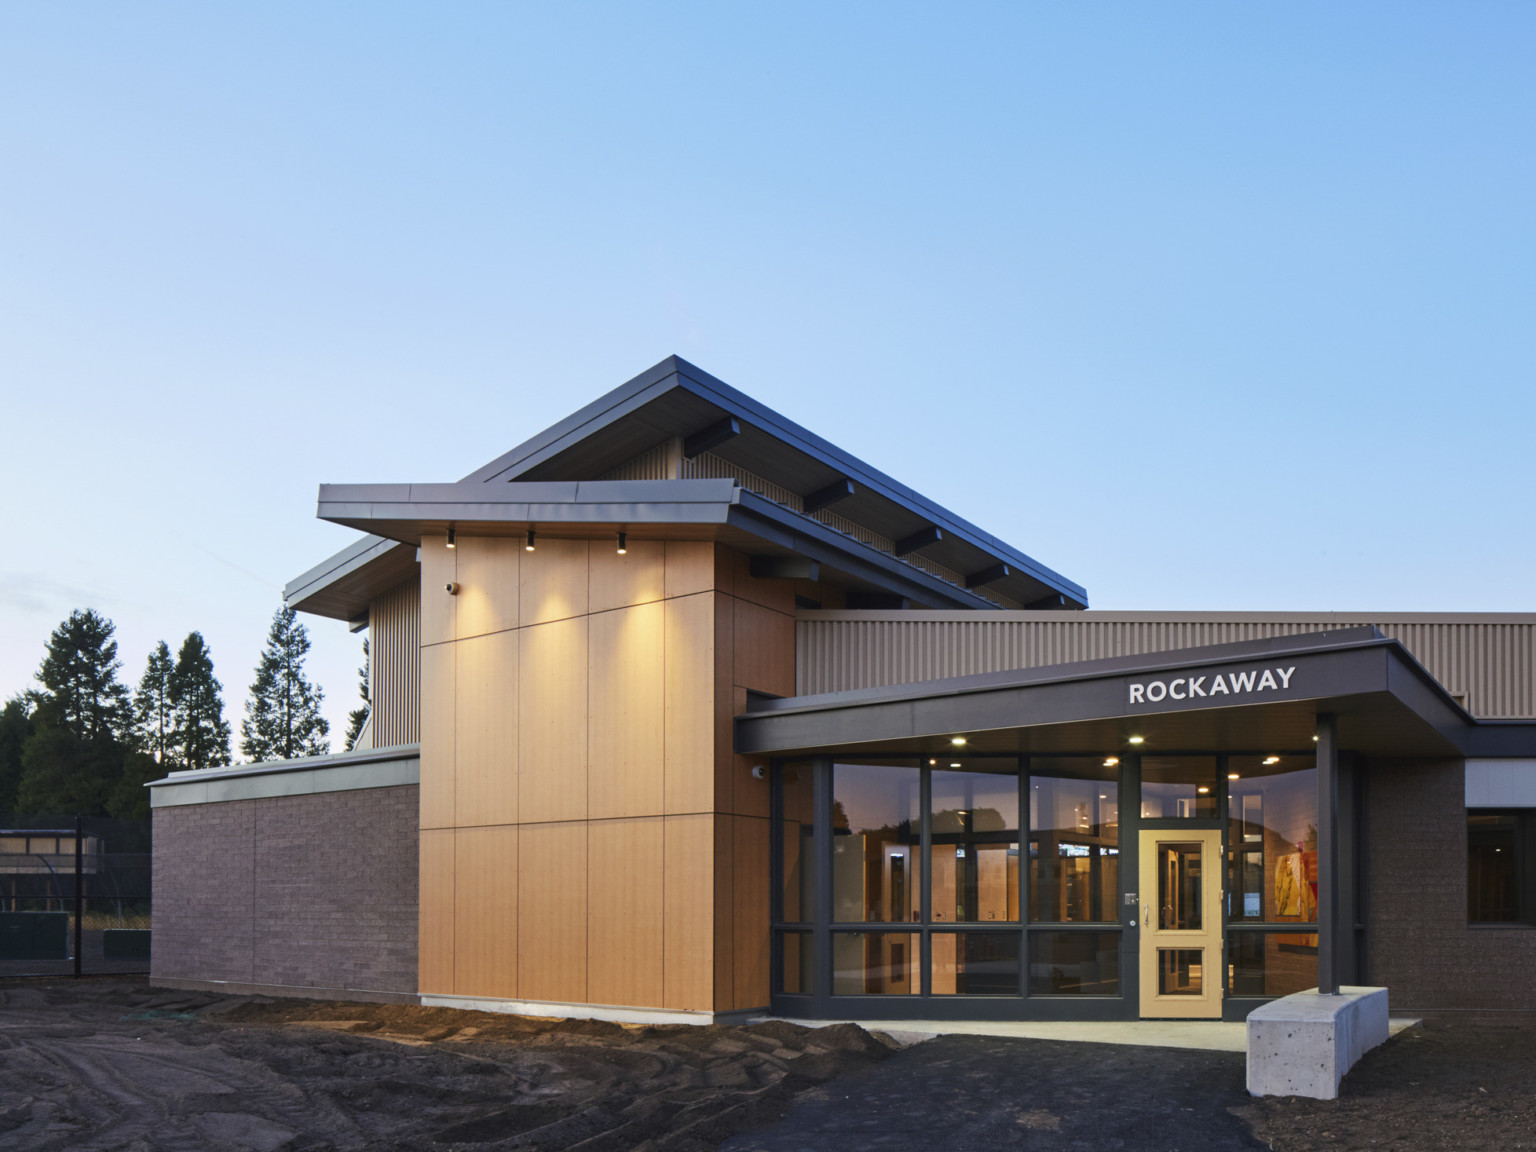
(451, 588)
(758, 772)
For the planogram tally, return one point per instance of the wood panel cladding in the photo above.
(576, 723)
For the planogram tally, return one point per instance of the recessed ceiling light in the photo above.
(956, 764)
(1271, 759)
(1232, 776)
(1202, 789)
(1314, 739)
(1111, 761)
(957, 741)
(1137, 739)
(932, 762)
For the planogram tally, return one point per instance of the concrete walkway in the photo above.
(1211, 1035)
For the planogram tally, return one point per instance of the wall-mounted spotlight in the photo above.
(451, 543)
(528, 544)
(623, 546)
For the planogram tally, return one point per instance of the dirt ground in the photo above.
(115, 1064)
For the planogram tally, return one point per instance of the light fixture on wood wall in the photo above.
(528, 547)
(451, 544)
(623, 549)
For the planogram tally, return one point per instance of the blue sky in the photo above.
(1204, 305)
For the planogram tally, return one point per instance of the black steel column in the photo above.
(925, 879)
(821, 838)
(1327, 855)
(79, 887)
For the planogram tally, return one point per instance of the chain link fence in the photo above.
(75, 896)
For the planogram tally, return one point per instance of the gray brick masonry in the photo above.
(316, 891)
(1421, 946)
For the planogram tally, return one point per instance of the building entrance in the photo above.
(1181, 923)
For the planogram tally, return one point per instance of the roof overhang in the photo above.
(717, 509)
(1385, 703)
(341, 586)
(677, 400)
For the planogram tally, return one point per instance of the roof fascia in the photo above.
(1064, 694)
(334, 567)
(385, 508)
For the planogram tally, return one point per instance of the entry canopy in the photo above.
(1256, 696)
(826, 504)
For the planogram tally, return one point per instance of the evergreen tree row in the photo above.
(80, 744)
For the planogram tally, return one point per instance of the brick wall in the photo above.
(1420, 945)
(313, 891)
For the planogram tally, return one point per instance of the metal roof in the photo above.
(675, 399)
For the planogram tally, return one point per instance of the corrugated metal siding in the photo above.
(394, 652)
(1491, 661)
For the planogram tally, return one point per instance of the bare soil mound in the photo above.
(117, 1065)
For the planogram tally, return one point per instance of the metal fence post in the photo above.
(79, 888)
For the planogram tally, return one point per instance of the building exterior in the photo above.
(681, 712)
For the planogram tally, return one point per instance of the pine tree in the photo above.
(283, 718)
(359, 716)
(82, 695)
(152, 707)
(80, 723)
(199, 733)
(15, 728)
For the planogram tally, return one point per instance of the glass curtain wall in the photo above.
(930, 894)
(1271, 875)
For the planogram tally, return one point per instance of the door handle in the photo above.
(1146, 914)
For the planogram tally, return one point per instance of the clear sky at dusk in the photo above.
(1218, 305)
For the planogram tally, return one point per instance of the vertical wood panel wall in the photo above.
(1488, 659)
(394, 665)
(588, 833)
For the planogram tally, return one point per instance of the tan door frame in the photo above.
(1207, 939)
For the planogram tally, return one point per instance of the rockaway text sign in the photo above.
(1193, 687)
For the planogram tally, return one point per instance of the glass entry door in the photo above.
(1181, 938)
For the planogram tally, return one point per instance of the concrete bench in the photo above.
(1301, 1045)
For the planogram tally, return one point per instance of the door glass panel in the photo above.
(1271, 963)
(875, 836)
(1179, 971)
(1178, 887)
(975, 842)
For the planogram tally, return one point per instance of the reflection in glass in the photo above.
(1179, 971)
(798, 894)
(975, 963)
(1074, 855)
(875, 837)
(1178, 787)
(1272, 838)
(1178, 886)
(874, 963)
(797, 957)
(1271, 963)
(975, 843)
(1074, 963)
(1493, 867)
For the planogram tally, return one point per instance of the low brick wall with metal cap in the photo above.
(297, 878)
